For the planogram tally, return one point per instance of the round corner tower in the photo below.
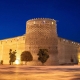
(41, 33)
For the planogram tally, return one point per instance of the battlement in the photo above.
(41, 21)
(12, 40)
(67, 42)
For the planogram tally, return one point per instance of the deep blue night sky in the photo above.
(15, 13)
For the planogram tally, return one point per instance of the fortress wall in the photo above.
(16, 43)
(79, 54)
(66, 50)
(41, 33)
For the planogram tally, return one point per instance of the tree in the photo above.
(10, 52)
(26, 56)
(12, 56)
(43, 55)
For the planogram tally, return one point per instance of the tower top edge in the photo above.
(35, 19)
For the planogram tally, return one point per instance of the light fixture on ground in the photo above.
(17, 61)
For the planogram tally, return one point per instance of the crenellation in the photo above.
(68, 42)
(40, 21)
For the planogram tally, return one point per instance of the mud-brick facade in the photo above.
(41, 33)
(16, 43)
(68, 50)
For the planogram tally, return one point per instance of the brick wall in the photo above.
(16, 43)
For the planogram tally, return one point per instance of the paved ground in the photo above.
(24, 72)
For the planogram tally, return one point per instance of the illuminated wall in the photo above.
(16, 43)
(41, 33)
(66, 50)
(79, 54)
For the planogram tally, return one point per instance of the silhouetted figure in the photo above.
(10, 62)
(72, 61)
(2, 62)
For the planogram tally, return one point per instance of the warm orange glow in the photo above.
(17, 62)
(79, 57)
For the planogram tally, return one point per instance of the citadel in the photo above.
(41, 33)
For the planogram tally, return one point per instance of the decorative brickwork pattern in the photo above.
(68, 50)
(41, 34)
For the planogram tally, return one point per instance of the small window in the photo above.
(63, 39)
(52, 23)
(44, 22)
(34, 22)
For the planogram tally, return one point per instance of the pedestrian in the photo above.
(2, 62)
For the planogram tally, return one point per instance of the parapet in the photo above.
(41, 21)
(68, 42)
(12, 40)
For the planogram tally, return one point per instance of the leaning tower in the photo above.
(41, 33)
